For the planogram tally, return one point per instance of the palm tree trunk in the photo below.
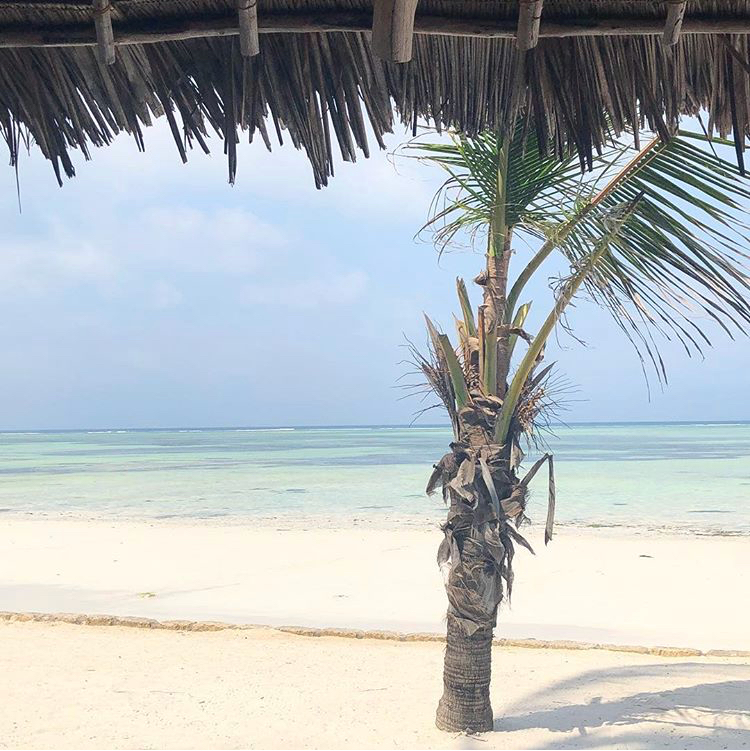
(475, 558)
(495, 282)
(465, 704)
(498, 286)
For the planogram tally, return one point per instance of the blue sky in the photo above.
(149, 293)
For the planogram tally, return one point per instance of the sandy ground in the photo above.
(588, 585)
(66, 686)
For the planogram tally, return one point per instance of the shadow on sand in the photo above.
(698, 713)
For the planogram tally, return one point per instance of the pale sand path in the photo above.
(588, 585)
(66, 686)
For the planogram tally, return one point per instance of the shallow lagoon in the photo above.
(691, 477)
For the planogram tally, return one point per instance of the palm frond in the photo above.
(585, 270)
(681, 256)
(468, 200)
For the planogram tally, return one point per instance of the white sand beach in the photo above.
(595, 585)
(94, 686)
(68, 686)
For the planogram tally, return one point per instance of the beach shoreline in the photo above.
(379, 521)
(630, 587)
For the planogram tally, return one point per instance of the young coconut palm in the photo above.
(654, 235)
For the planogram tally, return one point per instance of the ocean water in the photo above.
(686, 477)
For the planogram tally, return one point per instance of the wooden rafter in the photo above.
(247, 12)
(675, 19)
(105, 38)
(529, 20)
(144, 32)
(393, 29)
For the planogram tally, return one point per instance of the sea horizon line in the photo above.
(344, 426)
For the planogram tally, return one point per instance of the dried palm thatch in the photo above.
(317, 80)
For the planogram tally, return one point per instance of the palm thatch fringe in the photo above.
(327, 92)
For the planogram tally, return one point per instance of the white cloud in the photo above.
(57, 259)
(117, 247)
(82, 262)
(384, 187)
(369, 189)
(160, 219)
(332, 290)
(222, 241)
(165, 295)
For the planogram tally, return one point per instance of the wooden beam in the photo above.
(393, 29)
(529, 19)
(675, 19)
(247, 11)
(105, 38)
(180, 29)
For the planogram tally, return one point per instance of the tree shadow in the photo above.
(711, 714)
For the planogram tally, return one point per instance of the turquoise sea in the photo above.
(688, 477)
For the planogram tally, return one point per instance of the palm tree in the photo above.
(654, 234)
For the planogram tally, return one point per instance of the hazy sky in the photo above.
(150, 293)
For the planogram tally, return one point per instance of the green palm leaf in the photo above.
(468, 200)
(680, 258)
(677, 264)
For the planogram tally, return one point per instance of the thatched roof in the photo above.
(317, 84)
